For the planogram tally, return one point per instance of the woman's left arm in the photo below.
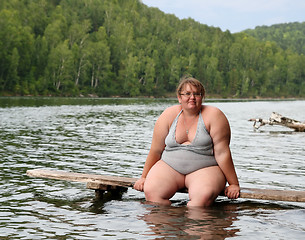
(221, 135)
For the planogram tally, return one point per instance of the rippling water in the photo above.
(112, 136)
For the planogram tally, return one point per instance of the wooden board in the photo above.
(106, 182)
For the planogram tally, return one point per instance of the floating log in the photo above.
(278, 119)
(101, 183)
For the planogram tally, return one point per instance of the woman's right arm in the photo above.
(152, 158)
(157, 146)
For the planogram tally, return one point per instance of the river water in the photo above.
(112, 136)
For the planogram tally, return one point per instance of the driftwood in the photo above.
(101, 183)
(278, 119)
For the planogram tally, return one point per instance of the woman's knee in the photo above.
(157, 194)
(203, 198)
(150, 189)
(154, 189)
(162, 182)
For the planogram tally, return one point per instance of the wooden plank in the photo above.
(272, 194)
(105, 182)
(94, 180)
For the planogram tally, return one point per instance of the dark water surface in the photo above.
(112, 136)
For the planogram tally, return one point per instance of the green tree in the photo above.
(121, 42)
(55, 32)
(12, 74)
(174, 73)
(60, 67)
(129, 76)
(78, 37)
(15, 50)
(99, 62)
(148, 81)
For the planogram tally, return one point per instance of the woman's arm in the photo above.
(161, 129)
(221, 135)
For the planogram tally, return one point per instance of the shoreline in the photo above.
(207, 98)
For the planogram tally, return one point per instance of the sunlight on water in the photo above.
(112, 136)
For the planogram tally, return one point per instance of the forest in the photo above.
(287, 36)
(124, 48)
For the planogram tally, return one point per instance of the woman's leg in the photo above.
(162, 182)
(204, 186)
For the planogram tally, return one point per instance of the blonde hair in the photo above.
(192, 81)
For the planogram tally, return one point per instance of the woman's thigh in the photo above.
(209, 179)
(163, 180)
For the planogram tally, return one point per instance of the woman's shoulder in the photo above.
(213, 115)
(208, 109)
(171, 112)
(173, 109)
(167, 117)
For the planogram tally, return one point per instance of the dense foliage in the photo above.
(124, 48)
(287, 35)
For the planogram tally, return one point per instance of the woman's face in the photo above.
(190, 97)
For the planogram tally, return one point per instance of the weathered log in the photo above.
(278, 119)
(102, 183)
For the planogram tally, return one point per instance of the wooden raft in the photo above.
(101, 183)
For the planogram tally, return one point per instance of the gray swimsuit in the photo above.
(191, 157)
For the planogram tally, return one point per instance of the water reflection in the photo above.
(215, 222)
(220, 221)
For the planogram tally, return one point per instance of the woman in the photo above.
(190, 149)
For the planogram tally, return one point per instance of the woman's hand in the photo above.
(139, 184)
(232, 191)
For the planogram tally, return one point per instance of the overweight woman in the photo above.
(189, 149)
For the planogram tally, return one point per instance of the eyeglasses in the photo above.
(189, 94)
